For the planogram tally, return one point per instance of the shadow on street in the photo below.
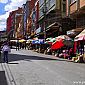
(3, 80)
(16, 57)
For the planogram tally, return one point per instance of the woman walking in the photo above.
(5, 51)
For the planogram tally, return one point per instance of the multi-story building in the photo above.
(51, 13)
(35, 17)
(30, 25)
(76, 11)
(10, 25)
(20, 29)
(25, 17)
(17, 18)
(13, 23)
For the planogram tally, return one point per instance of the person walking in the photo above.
(6, 49)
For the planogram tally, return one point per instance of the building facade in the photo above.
(18, 18)
(30, 24)
(26, 12)
(35, 17)
(51, 13)
(10, 25)
(76, 12)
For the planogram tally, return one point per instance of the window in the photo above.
(52, 2)
(72, 1)
(41, 2)
(41, 12)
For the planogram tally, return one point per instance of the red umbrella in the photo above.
(57, 45)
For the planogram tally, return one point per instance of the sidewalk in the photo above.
(43, 55)
(3, 77)
(62, 59)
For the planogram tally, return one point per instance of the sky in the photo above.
(6, 6)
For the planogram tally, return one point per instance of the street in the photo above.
(26, 67)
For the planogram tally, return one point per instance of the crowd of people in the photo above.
(64, 52)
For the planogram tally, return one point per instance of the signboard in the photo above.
(70, 32)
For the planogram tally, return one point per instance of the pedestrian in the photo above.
(71, 53)
(6, 49)
(17, 45)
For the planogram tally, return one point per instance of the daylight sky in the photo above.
(7, 6)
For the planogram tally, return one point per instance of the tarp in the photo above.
(22, 40)
(57, 45)
(64, 37)
(39, 41)
(50, 40)
(29, 40)
(13, 40)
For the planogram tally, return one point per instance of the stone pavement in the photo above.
(26, 67)
(6, 69)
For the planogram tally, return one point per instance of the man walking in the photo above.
(5, 51)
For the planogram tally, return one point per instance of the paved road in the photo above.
(30, 68)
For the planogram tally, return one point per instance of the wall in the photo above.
(73, 7)
(82, 3)
(9, 24)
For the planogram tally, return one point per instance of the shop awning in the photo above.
(53, 25)
(81, 34)
(74, 32)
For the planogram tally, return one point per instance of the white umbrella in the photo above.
(66, 39)
(63, 37)
(81, 36)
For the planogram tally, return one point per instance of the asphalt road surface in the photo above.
(26, 67)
